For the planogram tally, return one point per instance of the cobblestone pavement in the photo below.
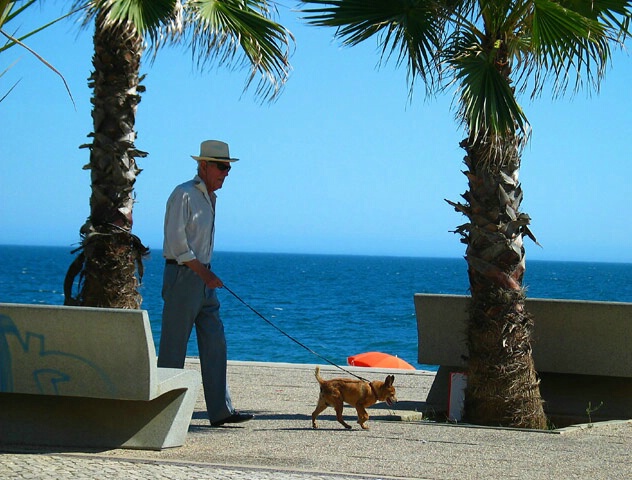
(78, 467)
(280, 444)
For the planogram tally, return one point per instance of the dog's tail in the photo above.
(317, 375)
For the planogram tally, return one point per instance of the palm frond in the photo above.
(238, 33)
(486, 100)
(570, 46)
(8, 13)
(41, 59)
(12, 86)
(412, 30)
(148, 16)
(228, 32)
(616, 15)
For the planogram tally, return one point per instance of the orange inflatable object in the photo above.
(378, 359)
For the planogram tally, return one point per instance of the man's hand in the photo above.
(210, 279)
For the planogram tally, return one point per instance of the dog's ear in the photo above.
(389, 380)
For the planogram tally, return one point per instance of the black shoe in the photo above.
(236, 417)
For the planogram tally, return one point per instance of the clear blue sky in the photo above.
(341, 163)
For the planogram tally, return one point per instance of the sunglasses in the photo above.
(221, 166)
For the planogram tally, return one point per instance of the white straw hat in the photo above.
(214, 151)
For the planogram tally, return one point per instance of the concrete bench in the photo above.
(87, 377)
(582, 352)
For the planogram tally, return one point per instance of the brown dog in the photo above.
(357, 393)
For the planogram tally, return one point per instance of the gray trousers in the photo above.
(187, 301)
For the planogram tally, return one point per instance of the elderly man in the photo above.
(189, 282)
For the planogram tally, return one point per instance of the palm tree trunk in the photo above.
(503, 388)
(109, 252)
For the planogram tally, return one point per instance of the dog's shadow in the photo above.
(407, 405)
(261, 415)
(277, 417)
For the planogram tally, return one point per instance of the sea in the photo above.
(304, 308)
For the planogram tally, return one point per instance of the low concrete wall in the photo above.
(580, 337)
(582, 351)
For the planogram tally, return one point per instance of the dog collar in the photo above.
(373, 390)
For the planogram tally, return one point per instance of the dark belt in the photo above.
(171, 261)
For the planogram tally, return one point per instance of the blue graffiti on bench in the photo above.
(51, 370)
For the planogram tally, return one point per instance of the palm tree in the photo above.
(491, 51)
(224, 31)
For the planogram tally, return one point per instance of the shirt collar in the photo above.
(201, 186)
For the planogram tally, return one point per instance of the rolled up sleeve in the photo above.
(177, 216)
(189, 220)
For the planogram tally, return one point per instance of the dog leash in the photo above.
(294, 339)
